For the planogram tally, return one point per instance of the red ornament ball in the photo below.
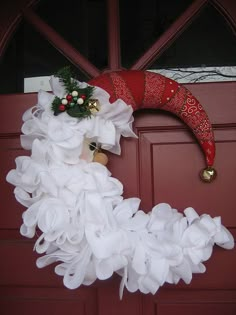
(62, 108)
(69, 97)
(83, 96)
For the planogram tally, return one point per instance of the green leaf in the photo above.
(80, 111)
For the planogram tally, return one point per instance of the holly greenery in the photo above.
(76, 102)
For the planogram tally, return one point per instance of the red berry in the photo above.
(62, 108)
(83, 96)
(69, 97)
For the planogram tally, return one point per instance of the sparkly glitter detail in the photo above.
(154, 89)
(121, 88)
(187, 107)
(176, 103)
(145, 89)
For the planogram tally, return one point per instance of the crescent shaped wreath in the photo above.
(86, 225)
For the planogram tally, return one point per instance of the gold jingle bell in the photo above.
(101, 158)
(208, 174)
(94, 106)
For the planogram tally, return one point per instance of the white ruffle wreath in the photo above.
(86, 224)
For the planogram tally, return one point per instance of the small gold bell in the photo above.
(94, 106)
(208, 174)
(101, 158)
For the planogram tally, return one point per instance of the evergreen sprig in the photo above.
(66, 76)
(77, 100)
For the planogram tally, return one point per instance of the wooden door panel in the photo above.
(51, 301)
(110, 303)
(125, 167)
(170, 157)
(13, 106)
(20, 267)
(149, 167)
(170, 160)
(170, 302)
(218, 98)
(10, 149)
(209, 308)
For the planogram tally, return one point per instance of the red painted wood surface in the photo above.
(147, 168)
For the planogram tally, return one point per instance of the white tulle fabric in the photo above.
(86, 226)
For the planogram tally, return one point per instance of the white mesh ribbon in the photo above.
(86, 225)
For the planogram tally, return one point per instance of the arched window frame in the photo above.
(25, 10)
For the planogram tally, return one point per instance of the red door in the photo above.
(161, 166)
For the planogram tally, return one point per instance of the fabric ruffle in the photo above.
(86, 225)
(64, 135)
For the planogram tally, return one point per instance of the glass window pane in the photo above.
(82, 23)
(29, 54)
(142, 23)
(10, 62)
(208, 41)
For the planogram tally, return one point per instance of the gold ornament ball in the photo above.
(208, 174)
(100, 158)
